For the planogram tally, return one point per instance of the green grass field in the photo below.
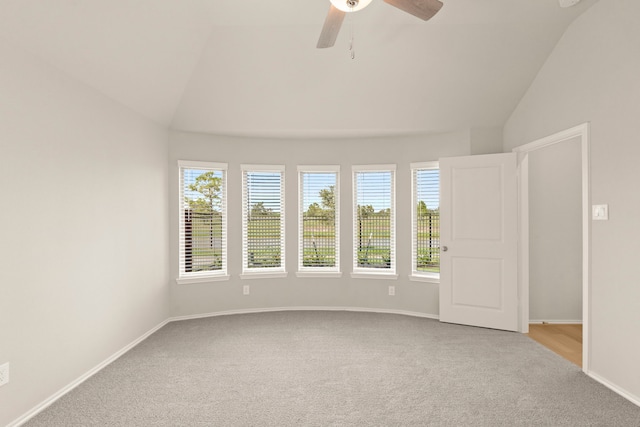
(373, 233)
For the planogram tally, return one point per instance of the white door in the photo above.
(478, 241)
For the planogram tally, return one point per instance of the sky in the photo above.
(428, 187)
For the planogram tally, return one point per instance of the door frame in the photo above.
(583, 132)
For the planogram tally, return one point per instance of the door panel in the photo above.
(470, 271)
(478, 268)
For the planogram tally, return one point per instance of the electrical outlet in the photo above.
(245, 290)
(4, 374)
(392, 290)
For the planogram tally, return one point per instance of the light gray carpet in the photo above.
(337, 369)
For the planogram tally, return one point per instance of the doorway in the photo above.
(554, 237)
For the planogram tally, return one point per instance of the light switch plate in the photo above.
(600, 212)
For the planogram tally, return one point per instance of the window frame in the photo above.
(318, 271)
(416, 275)
(374, 273)
(209, 275)
(263, 272)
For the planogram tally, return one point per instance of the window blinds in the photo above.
(426, 218)
(319, 219)
(263, 218)
(374, 218)
(203, 219)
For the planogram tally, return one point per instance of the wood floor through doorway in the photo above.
(565, 340)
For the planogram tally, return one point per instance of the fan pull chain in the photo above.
(352, 48)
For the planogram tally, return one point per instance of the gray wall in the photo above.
(486, 140)
(555, 233)
(83, 226)
(292, 291)
(592, 76)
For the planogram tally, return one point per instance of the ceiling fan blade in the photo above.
(331, 27)
(423, 9)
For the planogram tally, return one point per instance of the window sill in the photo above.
(426, 279)
(263, 275)
(322, 274)
(384, 276)
(201, 279)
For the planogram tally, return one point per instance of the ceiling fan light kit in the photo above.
(423, 9)
(568, 3)
(350, 5)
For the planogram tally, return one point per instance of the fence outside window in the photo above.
(428, 242)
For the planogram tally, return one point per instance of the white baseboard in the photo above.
(39, 408)
(42, 406)
(556, 322)
(46, 403)
(304, 308)
(624, 393)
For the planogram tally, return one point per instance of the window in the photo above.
(374, 237)
(203, 221)
(318, 220)
(425, 211)
(262, 220)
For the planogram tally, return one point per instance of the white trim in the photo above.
(318, 168)
(49, 401)
(426, 279)
(329, 169)
(66, 389)
(583, 132)
(622, 392)
(247, 169)
(203, 165)
(306, 308)
(555, 322)
(263, 275)
(580, 130)
(523, 250)
(201, 279)
(374, 168)
(262, 168)
(384, 276)
(319, 274)
(359, 272)
(183, 165)
(425, 165)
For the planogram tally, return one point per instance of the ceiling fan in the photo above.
(423, 9)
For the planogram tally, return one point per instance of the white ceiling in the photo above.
(251, 67)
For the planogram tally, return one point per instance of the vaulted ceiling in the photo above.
(251, 67)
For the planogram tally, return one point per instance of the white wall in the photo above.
(83, 226)
(592, 76)
(555, 233)
(293, 291)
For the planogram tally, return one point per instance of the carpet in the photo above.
(325, 368)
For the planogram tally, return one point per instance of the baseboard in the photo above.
(555, 322)
(39, 408)
(622, 392)
(46, 403)
(42, 406)
(304, 308)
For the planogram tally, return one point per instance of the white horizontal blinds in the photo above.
(263, 218)
(318, 221)
(203, 242)
(374, 218)
(426, 218)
